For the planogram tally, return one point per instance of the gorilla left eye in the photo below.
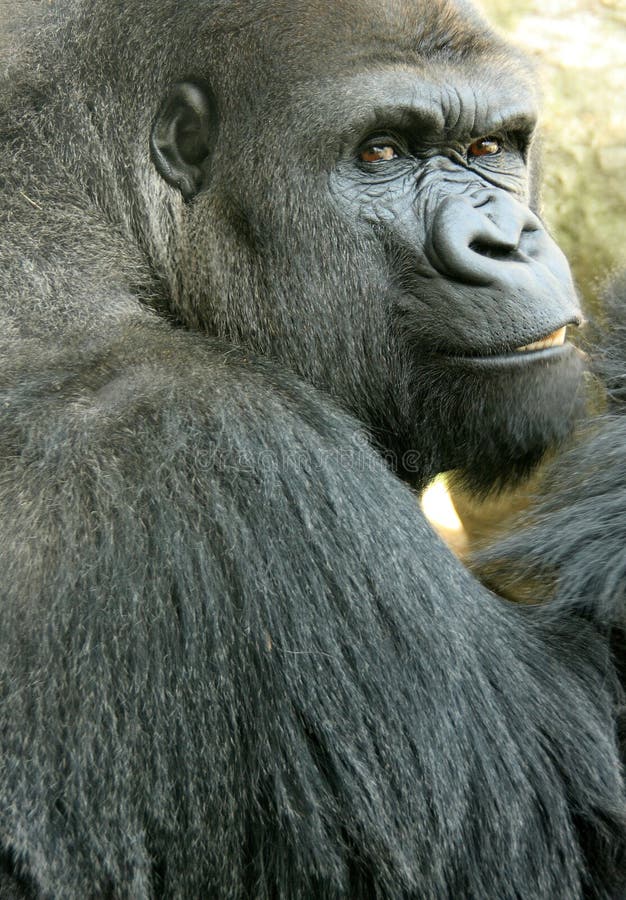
(487, 146)
(378, 153)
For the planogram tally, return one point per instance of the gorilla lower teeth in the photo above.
(556, 339)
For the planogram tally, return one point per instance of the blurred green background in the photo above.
(579, 47)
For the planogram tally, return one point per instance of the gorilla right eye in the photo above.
(378, 153)
(487, 146)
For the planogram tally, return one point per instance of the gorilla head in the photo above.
(346, 188)
(362, 207)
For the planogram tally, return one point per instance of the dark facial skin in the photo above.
(444, 182)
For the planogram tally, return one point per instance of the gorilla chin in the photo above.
(499, 415)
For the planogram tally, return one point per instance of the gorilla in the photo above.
(267, 266)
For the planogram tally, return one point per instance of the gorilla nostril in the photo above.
(501, 251)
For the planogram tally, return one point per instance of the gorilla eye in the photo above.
(378, 153)
(486, 146)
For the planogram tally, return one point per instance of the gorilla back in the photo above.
(250, 250)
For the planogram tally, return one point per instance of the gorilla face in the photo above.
(449, 194)
(369, 222)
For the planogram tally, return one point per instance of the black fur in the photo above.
(235, 661)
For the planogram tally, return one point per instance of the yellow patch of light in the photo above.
(438, 507)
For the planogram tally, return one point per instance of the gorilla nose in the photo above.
(475, 238)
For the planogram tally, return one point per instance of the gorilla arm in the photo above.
(234, 655)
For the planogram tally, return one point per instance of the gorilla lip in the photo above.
(551, 346)
(555, 339)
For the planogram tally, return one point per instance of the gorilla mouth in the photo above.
(555, 339)
(551, 346)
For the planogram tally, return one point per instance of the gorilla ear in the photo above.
(181, 138)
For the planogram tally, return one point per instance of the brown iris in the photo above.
(382, 153)
(486, 146)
